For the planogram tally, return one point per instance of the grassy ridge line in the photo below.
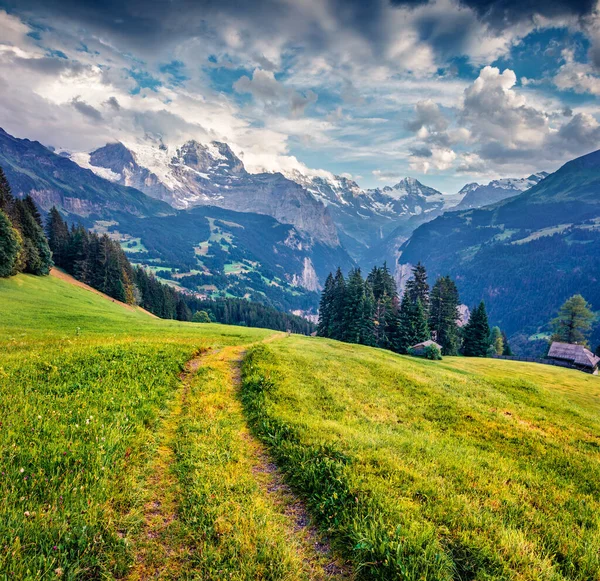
(357, 523)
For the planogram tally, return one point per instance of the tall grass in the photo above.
(84, 384)
(458, 469)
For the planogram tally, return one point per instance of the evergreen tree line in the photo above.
(370, 312)
(23, 246)
(101, 263)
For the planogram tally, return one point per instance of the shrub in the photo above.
(200, 317)
(432, 352)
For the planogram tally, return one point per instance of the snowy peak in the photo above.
(212, 158)
(411, 187)
(477, 196)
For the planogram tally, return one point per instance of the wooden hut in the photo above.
(577, 355)
(419, 348)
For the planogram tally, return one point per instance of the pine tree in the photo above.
(9, 246)
(421, 329)
(574, 321)
(417, 287)
(412, 325)
(38, 257)
(444, 314)
(354, 308)
(326, 308)
(367, 333)
(507, 350)
(476, 333)
(183, 311)
(57, 233)
(6, 197)
(338, 306)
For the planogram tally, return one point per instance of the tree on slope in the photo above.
(412, 325)
(57, 232)
(417, 287)
(10, 246)
(574, 321)
(476, 333)
(354, 307)
(338, 306)
(326, 308)
(385, 306)
(496, 342)
(444, 314)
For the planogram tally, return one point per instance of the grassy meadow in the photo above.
(128, 450)
(461, 469)
(85, 383)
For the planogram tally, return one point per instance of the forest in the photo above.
(28, 245)
(370, 312)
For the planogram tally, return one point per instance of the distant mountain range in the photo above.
(476, 195)
(204, 250)
(524, 255)
(196, 216)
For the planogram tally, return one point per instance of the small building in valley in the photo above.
(576, 355)
(419, 348)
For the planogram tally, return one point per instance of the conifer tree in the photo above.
(496, 342)
(367, 333)
(338, 306)
(183, 311)
(574, 321)
(417, 287)
(57, 233)
(420, 326)
(326, 308)
(476, 333)
(38, 257)
(506, 350)
(6, 197)
(9, 246)
(354, 308)
(444, 314)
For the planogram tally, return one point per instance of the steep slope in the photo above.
(524, 255)
(213, 251)
(366, 217)
(197, 174)
(478, 195)
(54, 180)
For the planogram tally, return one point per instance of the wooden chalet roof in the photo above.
(576, 354)
(426, 344)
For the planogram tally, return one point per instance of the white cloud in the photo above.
(576, 76)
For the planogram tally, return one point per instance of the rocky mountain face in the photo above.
(197, 174)
(366, 217)
(55, 180)
(476, 195)
(212, 250)
(525, 255)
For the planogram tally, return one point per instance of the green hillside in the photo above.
(129, 450)
(525, 255)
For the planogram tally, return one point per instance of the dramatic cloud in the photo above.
(368, 87)
(270, 93)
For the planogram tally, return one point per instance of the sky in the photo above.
(445, 91)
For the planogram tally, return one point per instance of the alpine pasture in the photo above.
(131, 448)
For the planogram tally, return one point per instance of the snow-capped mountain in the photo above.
(477, 195)
(364, 217)
(197, 174)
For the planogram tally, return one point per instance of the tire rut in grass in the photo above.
(319, 561)
(156, 549)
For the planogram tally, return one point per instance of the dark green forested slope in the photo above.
(525, 255)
